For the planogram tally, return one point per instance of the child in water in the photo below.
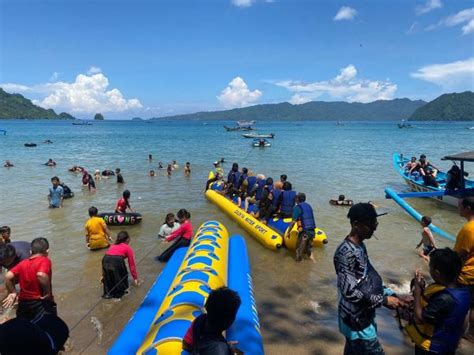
(427, 239)
(97, 175)
(182, 235)
(169, 226)
(119, 176)
(187, 168)
(152, 173)
(123, 204)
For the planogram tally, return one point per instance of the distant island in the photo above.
(447, 107)
(137, 119)
(16, 106)
(386, 110)
(98, 117)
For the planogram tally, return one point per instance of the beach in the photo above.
(297, 302)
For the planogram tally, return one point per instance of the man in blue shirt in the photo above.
(56, 194)
(360, 287)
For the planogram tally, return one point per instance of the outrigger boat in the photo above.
(440, 193)
(403, 124)
(237, 128)
(256, 135)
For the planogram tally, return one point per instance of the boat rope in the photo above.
(101, 300)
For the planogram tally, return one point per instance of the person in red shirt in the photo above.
(182, 235)
(123, 203)
(114, 271)
(34, 276)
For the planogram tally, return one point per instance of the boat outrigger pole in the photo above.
(389, 193)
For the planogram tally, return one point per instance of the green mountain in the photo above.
(17, 106)
(447, 107)
(316, 111)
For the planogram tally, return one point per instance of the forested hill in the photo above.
(447, 107)
(17, 106)
(396, 109)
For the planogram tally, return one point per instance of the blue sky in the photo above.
(155, 58)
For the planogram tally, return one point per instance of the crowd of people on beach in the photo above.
(435, 316)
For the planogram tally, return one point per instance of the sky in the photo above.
(158, 58)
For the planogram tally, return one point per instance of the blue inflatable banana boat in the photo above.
(179, 294)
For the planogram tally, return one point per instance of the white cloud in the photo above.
(242, 3)
(457, 75)
(464, 17)
(87, 94)
(94, 70)
(54, 76)
(344, 86)
(345, 13)
(237, 94)
(430, 5)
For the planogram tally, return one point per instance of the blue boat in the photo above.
(261, 143)
(440, 193)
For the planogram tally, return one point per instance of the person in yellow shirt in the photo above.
(97, 233)
(465, 248)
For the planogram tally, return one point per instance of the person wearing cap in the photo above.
(423, 165)
(360, 287)
(304, 216)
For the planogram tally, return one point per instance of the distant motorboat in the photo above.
(82, 123)
(261, 143)
(339, 123)
(237, 128)
(256, 135)
(403, 124)
(244, 123)
(470, 128)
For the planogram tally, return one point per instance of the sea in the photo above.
(297, 302)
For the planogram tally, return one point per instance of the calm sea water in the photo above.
(297, 301)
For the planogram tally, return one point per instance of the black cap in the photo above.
(363, 211)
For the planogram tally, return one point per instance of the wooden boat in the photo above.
(450, 197)
(256, 135)
(261, 143)
(244, 123)
(238, 128)
(82, 123)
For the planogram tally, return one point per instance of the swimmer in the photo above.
(97, 175)
(169, 170)
(47, 141)
(119, 176)
(175, 165)
(76, 169)
(187, 168)
(160, 165)
(150, 157)
(341, 201)
(8, 164)
(50, 162)
(151, 173)
(87, 180)
(107, 173)
(123, 204)
(5, 234)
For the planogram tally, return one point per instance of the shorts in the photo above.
(304, 244)
(427, 249)
(363, 347)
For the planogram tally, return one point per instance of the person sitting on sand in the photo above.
(8, 164)
(97, 175)
(114, 271)
(119, 176)
(50, 162)
(187, 169)
(123, 204)
(97, 233)
(170, 225)
(151, 173)
(341, 201)
(182, 235)
(427, 239)
(204, 336)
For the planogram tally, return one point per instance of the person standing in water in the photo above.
(182, 235)
(464, 246)
(119, 176)
(56, 194)
(169, 170)
(187, 169)
(114, 271)
(123, 204)
(359, 285)
(303, 215)
(97, 233)
(427, 239)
